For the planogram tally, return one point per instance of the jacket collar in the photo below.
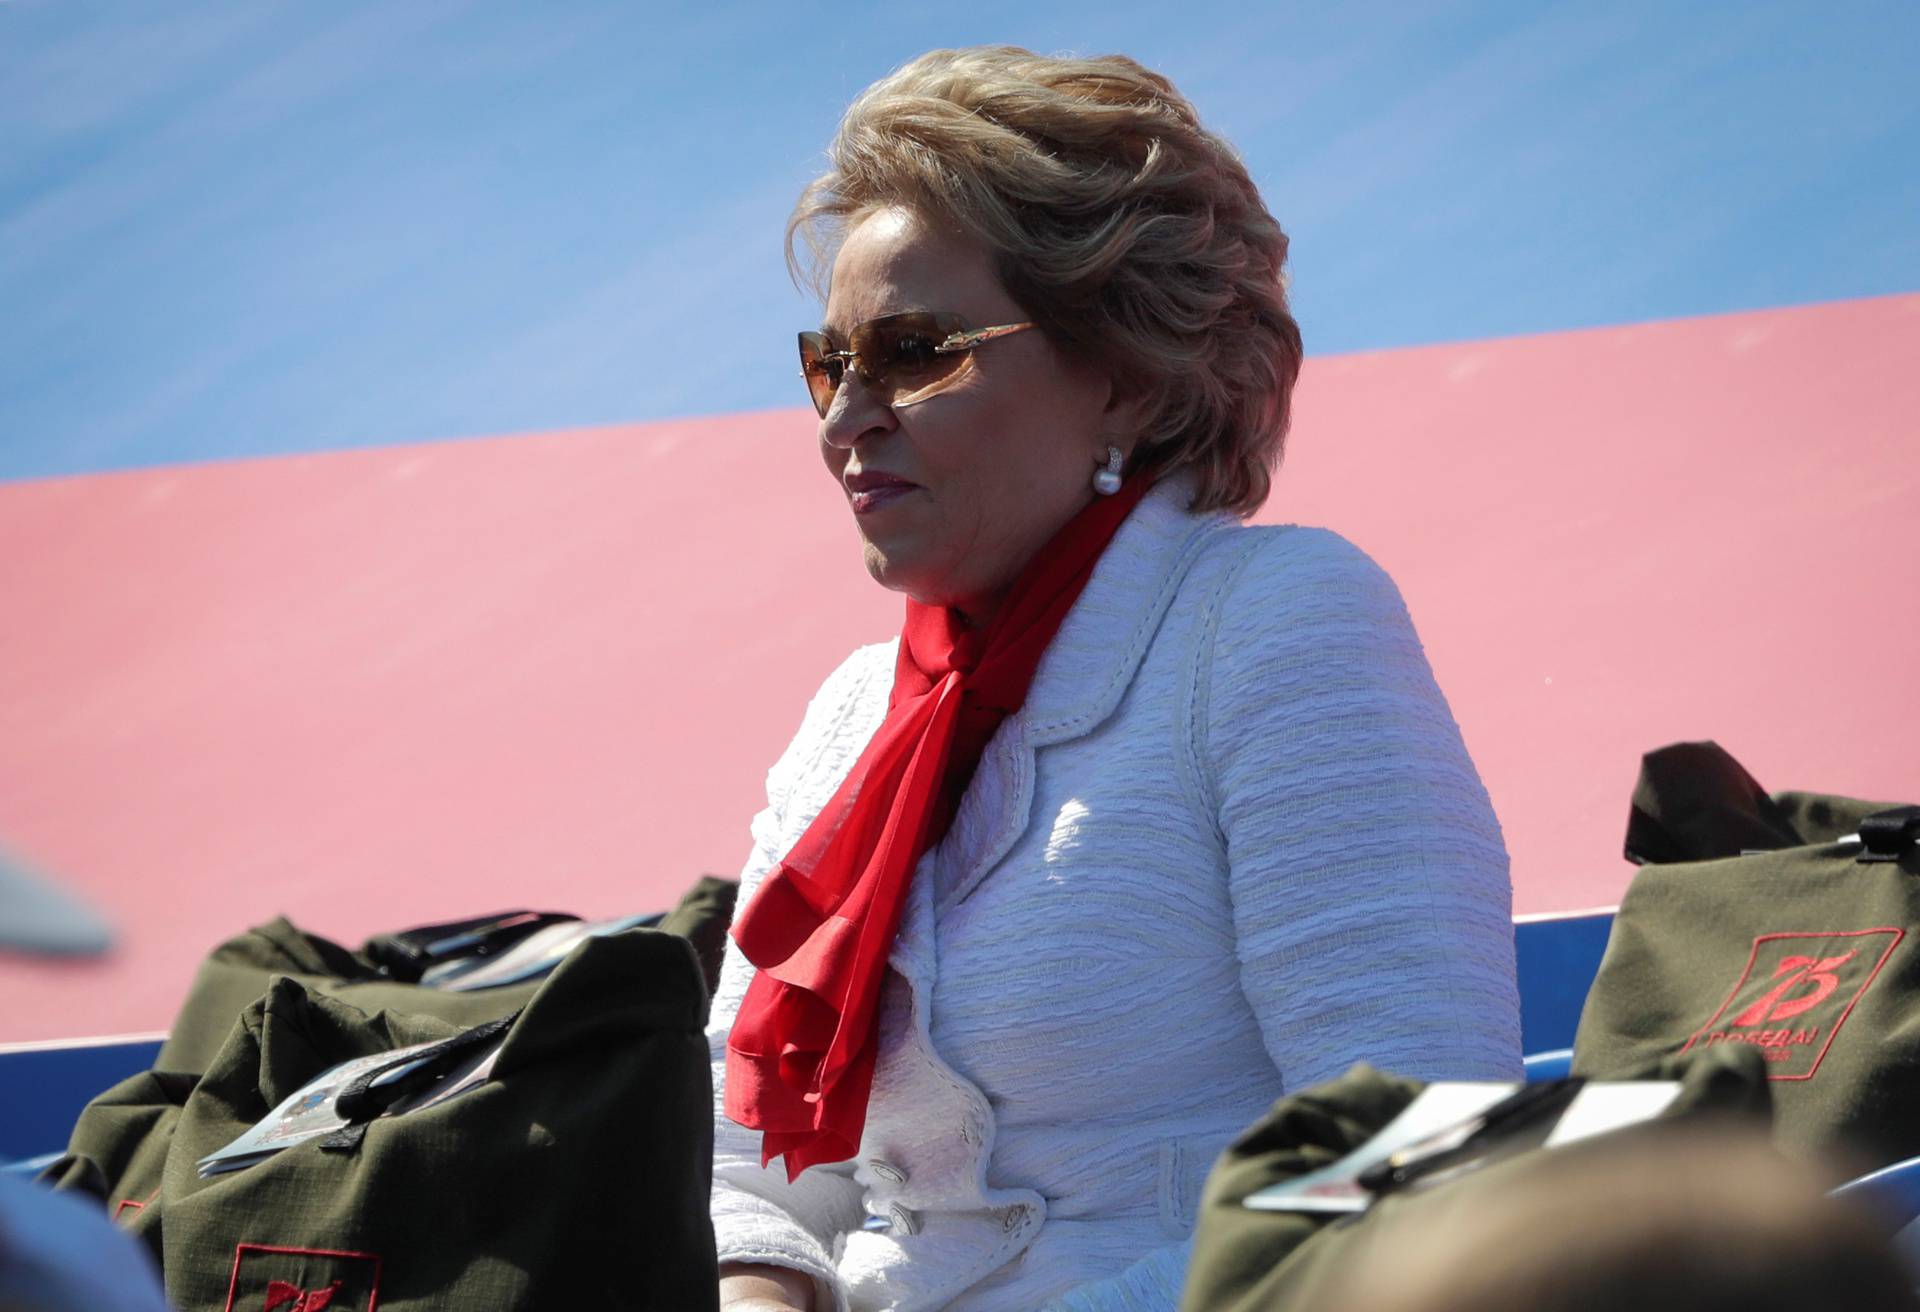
(1100, 644)
(1078, 684)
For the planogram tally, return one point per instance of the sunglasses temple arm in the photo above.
(966, 341)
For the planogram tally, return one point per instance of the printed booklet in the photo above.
(1444, 1117)
(310, 1111)
(533, 956)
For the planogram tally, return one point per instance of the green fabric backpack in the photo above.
(1782, 923)
(576, 1174)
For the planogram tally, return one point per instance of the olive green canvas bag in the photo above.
(1788, 923)
(384, 972)
(239, 971)
(576, 1174)
(118, 1150)
(1270, 1261)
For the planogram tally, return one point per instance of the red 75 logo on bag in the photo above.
(1796, 993)
(280, 1294)
(272, 1278)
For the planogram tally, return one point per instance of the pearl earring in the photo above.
(1106, 481)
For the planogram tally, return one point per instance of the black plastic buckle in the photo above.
(1889, 835)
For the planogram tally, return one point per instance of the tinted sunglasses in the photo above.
(904, 358)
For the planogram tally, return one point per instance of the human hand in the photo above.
(746, 1287)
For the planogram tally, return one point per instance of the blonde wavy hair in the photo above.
(1132, 234)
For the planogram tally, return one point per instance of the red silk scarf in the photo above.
(801, 1054)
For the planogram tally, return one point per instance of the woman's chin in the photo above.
(906, 571)
(889, 569)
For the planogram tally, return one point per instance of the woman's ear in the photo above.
(1123, 421)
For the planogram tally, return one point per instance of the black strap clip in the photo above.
(363, 1101)
(1475, 1143)
(1889, 835)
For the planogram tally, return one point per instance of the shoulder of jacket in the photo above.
(1294, 594)
(1276, 573)
(1318, 552)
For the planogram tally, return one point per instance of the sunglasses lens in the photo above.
(903, 345)
(822, 374)
(906, 345)
(896, 355)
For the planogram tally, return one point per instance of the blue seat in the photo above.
(1893, 1191)
(30, 1165)
(1553, 1065)
(1557, 957)
(44, 1086)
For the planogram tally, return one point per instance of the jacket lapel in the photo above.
(1100, 645)
(1077, 686)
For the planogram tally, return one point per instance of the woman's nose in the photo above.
(856, 413)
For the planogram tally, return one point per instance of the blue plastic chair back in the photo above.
(1555, 1065)
(44, 1086)
(1557, 957)
(1893, 1191)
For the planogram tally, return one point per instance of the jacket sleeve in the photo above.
(758, 1216)
(1373, 917)
(1368, 879)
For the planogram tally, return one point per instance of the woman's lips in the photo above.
(869, 491)
(865, 503)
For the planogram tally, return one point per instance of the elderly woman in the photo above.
(1148, 817)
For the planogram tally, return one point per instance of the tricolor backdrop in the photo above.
(1612, 316)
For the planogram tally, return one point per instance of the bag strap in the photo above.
(407, 954)
(1889, 835)
(366, 1098)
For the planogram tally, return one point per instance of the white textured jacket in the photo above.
(1231, 845)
